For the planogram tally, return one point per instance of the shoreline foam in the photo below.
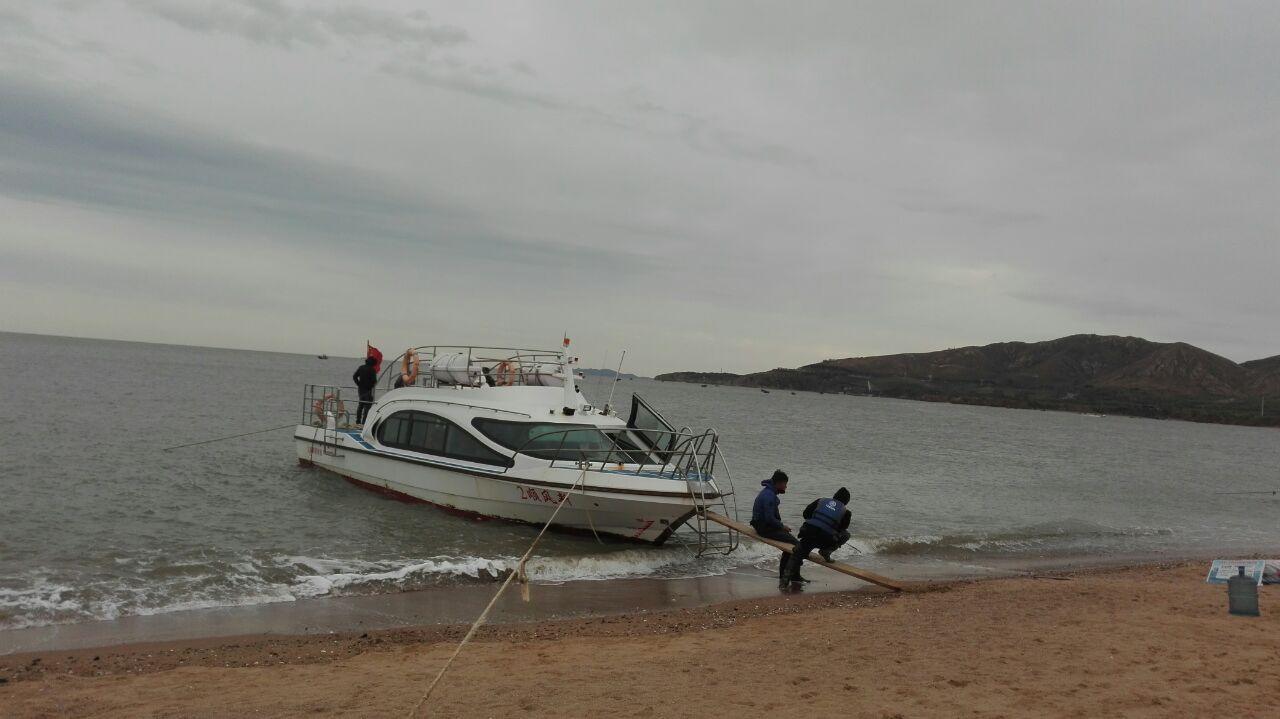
(461, 603)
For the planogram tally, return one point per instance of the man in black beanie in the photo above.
(365, 378)
(825, 528)
(767, 520)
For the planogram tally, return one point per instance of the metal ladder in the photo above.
(329, 411)
(695, 463)
(329, 437)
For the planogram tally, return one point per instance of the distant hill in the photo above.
(605, 373)
(1267, 372)
(1087, 373)
(1181, 370)
(1270, 364)
(701, 377)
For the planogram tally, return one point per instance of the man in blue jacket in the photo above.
(767, 520)
(825, 528)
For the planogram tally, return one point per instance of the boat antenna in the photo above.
(617, 375)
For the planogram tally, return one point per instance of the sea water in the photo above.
(98, 521)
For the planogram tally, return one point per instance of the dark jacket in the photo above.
(844, 521)
(764, 513)
(365, 378)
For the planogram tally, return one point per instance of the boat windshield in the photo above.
(550, 440)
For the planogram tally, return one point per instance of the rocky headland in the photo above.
(1081, 373)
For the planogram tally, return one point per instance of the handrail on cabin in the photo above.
(525, 359)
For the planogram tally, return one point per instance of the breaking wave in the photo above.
(339, 577)
(1065, 536)
(40, 597)
(156, 584)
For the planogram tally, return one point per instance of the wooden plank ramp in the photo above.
(841, 567)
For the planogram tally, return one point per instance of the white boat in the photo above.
(498, 433)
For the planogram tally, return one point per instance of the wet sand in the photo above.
(1146, 641)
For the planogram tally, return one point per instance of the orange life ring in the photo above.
(318, 406)
(409, 367)
(506, 373)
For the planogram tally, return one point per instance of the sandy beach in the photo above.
(1143, 641)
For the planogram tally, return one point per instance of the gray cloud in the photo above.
(825, 179)
(277, 23)
(60, 146)
(54, 146)
(1110, 306)
(695, 133)
(35, 51)
(477, 82)
(705, 136)
(183, 285)
(13, 22)
(954, 209)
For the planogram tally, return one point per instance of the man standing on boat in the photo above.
(767, 520)
(825, 528)
(365, 377)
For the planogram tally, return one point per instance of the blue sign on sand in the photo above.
(1224, 569)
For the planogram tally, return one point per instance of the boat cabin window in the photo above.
(423, 432)
(550, 440)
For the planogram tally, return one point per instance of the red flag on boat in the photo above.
(375, 353)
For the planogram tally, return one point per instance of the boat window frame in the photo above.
(493, 458)
(622, 448)
(652, 436)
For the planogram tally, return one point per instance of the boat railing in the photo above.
(711, 537)
(322, 402)
(685, 455)
(450, 365)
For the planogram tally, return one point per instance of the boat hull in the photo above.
(618, 505)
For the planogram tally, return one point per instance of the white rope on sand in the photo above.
(524, 579)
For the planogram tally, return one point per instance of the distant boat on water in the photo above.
(322, 356)
(762, 389)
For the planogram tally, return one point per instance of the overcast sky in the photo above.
(736, 185)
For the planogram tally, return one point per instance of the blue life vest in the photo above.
(827, 516)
